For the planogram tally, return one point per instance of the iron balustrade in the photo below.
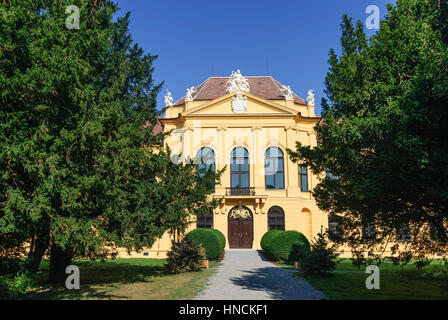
(250, 191)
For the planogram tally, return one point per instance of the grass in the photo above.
(136, 279)
(396, 282)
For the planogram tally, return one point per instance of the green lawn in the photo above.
(396, 282)
(141, 278)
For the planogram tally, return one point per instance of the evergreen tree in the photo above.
(79, 171)
(383, 139)
(321, 259)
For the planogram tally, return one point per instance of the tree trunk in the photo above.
(59, 260)
(37, 251)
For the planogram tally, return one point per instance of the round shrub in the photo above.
(222, 238)
(210, 241)
(287, 244)
(267, 239)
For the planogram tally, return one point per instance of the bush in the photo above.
(210, 241)
(320, 259)
(222, 238)
(287, 243)
(13, 286)
(185, 256)
(268, 237)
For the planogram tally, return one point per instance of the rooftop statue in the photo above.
(237, 82)
(310, 98)
(189, 95)
(168, 99)
(287, 92)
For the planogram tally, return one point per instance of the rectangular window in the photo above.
(437, 233)
(404, 233)
(368, 230)
(303, 177)
(334, 231)
(204, 221)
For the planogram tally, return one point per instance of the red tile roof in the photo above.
(265, 87)
(158, 128)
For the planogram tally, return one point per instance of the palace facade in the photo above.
(246, 124)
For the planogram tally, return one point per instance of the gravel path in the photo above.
(246, 275)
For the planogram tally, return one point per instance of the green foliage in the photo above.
(287, 243)
(383, 139)
(222, 238)
(267, 239)
(184, 193)
(12, 286)
(185, 256)
(77, 160)
(321, 259)
(209, 240)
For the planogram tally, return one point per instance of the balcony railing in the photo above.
(240, 191)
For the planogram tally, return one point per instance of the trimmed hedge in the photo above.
(210, 241)
(287, 245)
(267, 239)
(221, 237)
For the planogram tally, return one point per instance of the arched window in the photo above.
(206, 161)
(239, 168)
(276, 218)
(274, 169)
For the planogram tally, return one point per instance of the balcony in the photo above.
(250, 191)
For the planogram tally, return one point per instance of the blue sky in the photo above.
(288, 40)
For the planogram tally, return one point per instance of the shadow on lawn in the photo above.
(97, 280)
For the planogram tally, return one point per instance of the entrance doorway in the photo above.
(240, 228)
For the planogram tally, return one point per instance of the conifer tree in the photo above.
(383, 139)
(79, 174)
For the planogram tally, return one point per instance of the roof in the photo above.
(265, 87)
(158, 127)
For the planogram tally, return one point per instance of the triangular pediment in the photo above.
(253, 106)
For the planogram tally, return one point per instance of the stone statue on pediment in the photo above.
(237, 82)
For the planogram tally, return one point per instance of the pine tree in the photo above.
(320, 260)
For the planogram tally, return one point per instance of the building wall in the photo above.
(264, 124)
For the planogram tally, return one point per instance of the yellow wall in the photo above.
(265, 123)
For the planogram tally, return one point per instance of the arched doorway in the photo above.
(240, 227)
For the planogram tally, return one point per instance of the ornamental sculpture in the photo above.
(168, 99)
(239, 103)
(310, 98)
(237, 82)
(189, 95)
(287, 92)
(240, 212)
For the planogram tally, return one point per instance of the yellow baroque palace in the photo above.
(246, 124)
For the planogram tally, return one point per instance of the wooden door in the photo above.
(240, 231)
(233, 234)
